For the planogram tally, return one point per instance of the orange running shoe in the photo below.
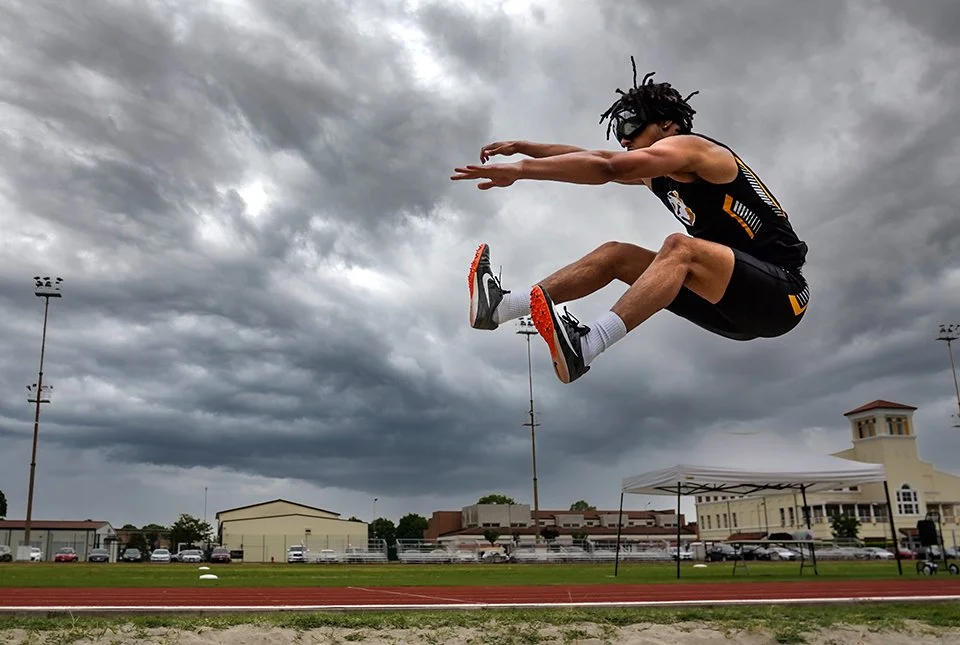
(562, 333)
(485, 290)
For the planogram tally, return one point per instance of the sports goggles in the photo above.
(628, 126)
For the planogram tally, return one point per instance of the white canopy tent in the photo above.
(782, 467)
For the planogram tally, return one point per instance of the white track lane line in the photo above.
(412, 595)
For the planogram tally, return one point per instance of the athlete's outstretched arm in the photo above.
(528, 148)
(599, 167)
(667, 156)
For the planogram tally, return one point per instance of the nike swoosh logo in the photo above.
(486, 287)
(563, 330)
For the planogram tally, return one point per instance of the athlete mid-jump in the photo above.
(736, 273)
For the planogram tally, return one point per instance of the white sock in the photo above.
(604, 332)
(514, 305)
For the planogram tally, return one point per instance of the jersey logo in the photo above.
(800, 301)
(680, 210)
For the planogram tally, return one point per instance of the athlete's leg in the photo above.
(491, 305)
(701, 266)
(608, 262)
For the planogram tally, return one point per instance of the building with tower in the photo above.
(882, 432)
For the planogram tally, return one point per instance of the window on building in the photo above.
(725, 520)
(897, 426)
(783, 517)
(734, 520)
(707, 518)
(792, 519)
(908, 503)
(866, 428)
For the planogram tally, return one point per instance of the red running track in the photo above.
(409, 597)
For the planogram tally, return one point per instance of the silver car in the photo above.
(191, 555)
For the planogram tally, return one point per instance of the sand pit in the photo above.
(582, 634)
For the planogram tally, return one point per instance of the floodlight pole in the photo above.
(527, 329)
(949, 333)
(43, 288)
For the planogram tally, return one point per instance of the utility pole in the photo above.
(528, 329)
(949, 333)
(45, 288)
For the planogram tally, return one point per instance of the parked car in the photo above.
(36, 555)
(160, 555)
(66, 554)
(781, 553)
(296, 553)
(6, 553)
(220, 554)
(905, 553)
(191, 555)
(721, 553)
(877, 553)
(131, 555)
(98, 555)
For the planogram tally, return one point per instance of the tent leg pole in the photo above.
(616, 562)
(678, 530)
(893, 527)
(806, 512)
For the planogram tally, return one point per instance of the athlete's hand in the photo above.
(500, 175)
(505, 148)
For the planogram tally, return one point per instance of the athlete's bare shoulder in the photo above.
(709, 161)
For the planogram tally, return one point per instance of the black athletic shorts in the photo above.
(762, 300)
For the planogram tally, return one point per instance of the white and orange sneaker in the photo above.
(485, 290)
(562, 333)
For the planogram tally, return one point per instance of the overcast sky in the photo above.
(265, 262)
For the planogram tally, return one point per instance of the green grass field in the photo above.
(398, 575)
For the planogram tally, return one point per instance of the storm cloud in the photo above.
(265, 263)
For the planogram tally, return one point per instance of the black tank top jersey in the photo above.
(742, 214)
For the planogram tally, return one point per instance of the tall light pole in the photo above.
(949, 333)
(45, 288)
(527, 328)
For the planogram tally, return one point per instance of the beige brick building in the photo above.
(882, 432)
(514, 522)
(264, 532)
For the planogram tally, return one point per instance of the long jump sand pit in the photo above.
(686, 633)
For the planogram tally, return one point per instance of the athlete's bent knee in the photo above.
(610, 248)
(678, 247)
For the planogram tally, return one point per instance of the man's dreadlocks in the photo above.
(652, 102)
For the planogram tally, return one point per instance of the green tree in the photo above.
(549, 533)
(383, 529)
(128, 527)
(845, 526)
(580, 535)
(495, 498)
(581, 505)
(491, 535)
(189, 529)
(3, 505)
(411, 527)
(152, 533)
(354, 518)
(137, 541)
